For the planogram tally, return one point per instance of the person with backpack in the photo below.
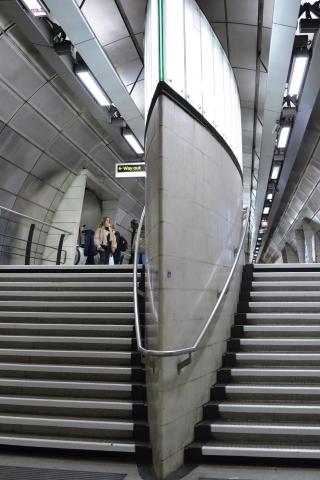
(89, 247)
(117, 252)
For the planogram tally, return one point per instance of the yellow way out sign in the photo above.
(132, 169)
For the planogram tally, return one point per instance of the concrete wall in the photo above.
(193, 224)
(67, 217)
(91, 210)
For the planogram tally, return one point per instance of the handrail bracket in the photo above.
(184, 363)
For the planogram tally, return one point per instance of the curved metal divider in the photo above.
(193, 348)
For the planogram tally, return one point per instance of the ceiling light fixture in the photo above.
(269, 196)
(275, 172)
(35, 7)
(264, 224)
(283, 136)
(132, 141)
(298, 70)
(266, 210)
(91, 84)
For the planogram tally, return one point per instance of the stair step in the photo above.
(262, 358)
(288, 295)
(74, 317)
(48, 371)
(280, 318)
(252, 428)
(108, 445)
(285, 285)
(274, 407)
(271, 373)
(274, 392)
(276, 343)
(78, 277)
(78, 286)
(286, 266)
(283, 275)
(72, 328)
(280, 306)
(66, 422)
(255, 450)
(288, 329)
(122, 306)
(58, 356)
(78, 388)
(55, 295)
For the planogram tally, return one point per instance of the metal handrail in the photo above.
(193, 348)
(26, 241)
(33, 219)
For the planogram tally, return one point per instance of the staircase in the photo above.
(266, 403)
(70, 374)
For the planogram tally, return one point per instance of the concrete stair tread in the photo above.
(67, 326)
(260, 450)
(66, 353)
(77, 443)
(278, 356)
(278, 371)
(287, 389)
(44, 303)
(274, 406)
(285, 293)
(283, 315)
(70, 384)
(280, 328)
(65, 339)
(61, 285)
(61, 368)
(68, 421)
(70, 402)
(279, 341)
(65, 268)
(67, 315)
(286, 283)
(59, 294)
(285, 266)
(254, 427)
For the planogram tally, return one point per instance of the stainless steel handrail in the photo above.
(36, 220)
(193, 348)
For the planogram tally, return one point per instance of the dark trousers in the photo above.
(116, 257)
(105, 255)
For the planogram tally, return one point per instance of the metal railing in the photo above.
(196, 344)
(29, 254)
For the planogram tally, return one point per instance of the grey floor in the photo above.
(131, 472)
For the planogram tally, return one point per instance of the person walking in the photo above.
(105, 241)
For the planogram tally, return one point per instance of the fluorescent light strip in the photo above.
(35, 8)
(93, 87)
(266, 210)
(298, 71)
(275, 172)
(283, 136)
(133, 142)
(269, 196)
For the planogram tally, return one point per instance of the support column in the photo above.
(299, 237)
(309, 238)
(289, 255)
(193, 225)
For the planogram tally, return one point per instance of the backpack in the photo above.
(123, 244)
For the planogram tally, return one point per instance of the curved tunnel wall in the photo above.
(46, 138)
(194, 197)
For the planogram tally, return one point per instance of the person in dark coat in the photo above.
(117, 252)
(90, 249)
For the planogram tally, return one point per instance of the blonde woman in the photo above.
(105, 241)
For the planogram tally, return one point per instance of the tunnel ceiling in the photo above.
(47, 135)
